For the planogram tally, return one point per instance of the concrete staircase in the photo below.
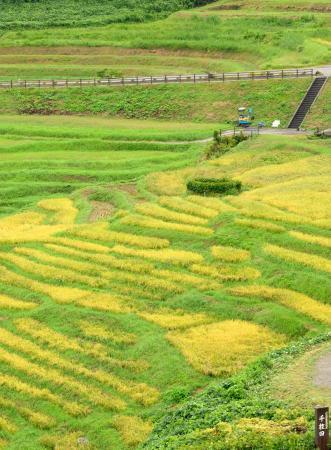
(307, 102)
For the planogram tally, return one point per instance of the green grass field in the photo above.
(219, 37)
(121, 294)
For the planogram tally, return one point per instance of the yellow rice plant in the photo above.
(230, 254)
(50, 272)
(181, 257)
(102, 302)
(17, 385)
(167, 183)
(103, 333)
(211, 203)
(172, 319)
(65, 441)
(311, 238)
(260, 210)
(80, 245)
(227, 273)
(6, 425)
(260, 225)
(95, 395)
(43, 257)
(307, 259)
(57, 340)
(34, 417)
(3, 443)
(146, 222)
(224, 348)
(295, 300)
(138, 292)
(185, 206)
(133, 429)
(108, 260)
(101, 232)
(65, 212)
(12, 303)
(151, 209)
(133, 389)
(26, 227)
(184, 278)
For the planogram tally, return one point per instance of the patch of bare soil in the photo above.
(129, 188)
(100, 211)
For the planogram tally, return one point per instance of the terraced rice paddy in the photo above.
(106, 323)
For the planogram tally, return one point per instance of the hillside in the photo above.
(222, 36)
(137, 309)
(22, 14)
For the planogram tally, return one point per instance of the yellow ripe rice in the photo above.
(151, 209)
(311, 238)
(227, 273)
(65, 212)
(224, 348)
(307, 259)
(13, 303)
(14, 383)
(133, 430)
(260, 225)
(103, 333)
(181, 257)
(172, 319)
(230, 254)
(292, 299)
(101, 232)
(146, 222)
(185, 206)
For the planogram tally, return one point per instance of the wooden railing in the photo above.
(144, 80)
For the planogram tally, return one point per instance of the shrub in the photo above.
(223, 186)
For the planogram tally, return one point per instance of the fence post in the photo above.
(297, 73)
(11, 83)
(238, 75)
(24, 83)
(165, 78)
(194, 78)
(223, 77)
(180, 78)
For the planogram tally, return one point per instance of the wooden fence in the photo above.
(145, 80)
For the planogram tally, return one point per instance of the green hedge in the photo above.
(204, 186)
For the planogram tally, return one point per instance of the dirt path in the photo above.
(322, 376)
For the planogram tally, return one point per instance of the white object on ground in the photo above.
(275, 123)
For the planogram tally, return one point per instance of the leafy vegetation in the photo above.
(22, 14)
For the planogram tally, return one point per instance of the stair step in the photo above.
(307, 102)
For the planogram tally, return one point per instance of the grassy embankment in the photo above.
(222, 36)
(216, 103)
(120, 300)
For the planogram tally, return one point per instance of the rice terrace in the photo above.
(165, 224)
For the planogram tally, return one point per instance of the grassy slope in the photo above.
(201, 103)
(267, 34)
(17, 15)
(39, 162)
(320, 115)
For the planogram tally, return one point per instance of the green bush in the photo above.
(204, 186)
